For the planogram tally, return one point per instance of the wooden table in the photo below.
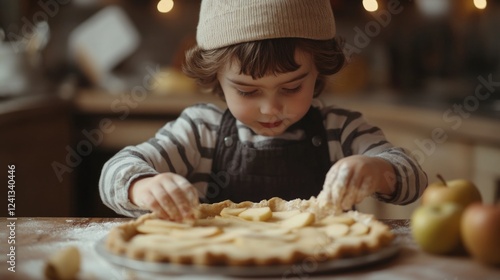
(38, 238)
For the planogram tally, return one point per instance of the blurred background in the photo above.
(81, 79)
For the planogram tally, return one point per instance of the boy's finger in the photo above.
(348, 198)
(154, 207)
(338, 193)
(162, 214)
(326, 195)
(365, 189)
(180, 201)
(179, 180)
(192, 195)
(165, 202)
(340, 187)
(188, 190)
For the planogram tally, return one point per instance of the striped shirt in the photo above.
(186, 145)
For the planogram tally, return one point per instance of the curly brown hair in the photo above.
(260, 58)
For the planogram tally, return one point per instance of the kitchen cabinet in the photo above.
(35, 136)
(486, 161)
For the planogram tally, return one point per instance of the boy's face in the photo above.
(269, 105)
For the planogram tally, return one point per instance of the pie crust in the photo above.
(270, 232)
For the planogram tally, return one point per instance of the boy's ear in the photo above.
(217, 90)
(319, 85)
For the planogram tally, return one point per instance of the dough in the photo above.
(64, 264)
(270, 232)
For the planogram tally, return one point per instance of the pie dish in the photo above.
(270, 232)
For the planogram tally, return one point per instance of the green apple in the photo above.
(462, 192)
(481, 232)
(436, 227)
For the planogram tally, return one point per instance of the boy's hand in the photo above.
(353, 178)
(168, 195)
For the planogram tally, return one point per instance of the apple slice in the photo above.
(256, 214)
(279, 234)
(336, 230)
(165, 224)
(346, 220)
(149, 229)
(283, 215)
(299, 220)
(195, 233)
(231, 211)
(358, 229)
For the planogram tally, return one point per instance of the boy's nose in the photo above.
(271, 107)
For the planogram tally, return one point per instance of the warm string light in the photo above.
(480, 4)
(370, 5)
(165, 6)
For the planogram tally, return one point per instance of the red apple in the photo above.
(462, 192)
(480, 227)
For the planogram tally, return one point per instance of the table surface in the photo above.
(38, 238)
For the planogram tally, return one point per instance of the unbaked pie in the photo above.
(270, 232)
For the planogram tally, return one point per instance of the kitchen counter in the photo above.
(472, 126)
(451, 117)
(38, 238)
(123, 104)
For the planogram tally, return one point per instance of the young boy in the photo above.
(268, 60)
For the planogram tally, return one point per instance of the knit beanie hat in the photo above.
(227, 22)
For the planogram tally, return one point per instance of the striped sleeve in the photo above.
(411, 180)
(349, 134)
(184, 146)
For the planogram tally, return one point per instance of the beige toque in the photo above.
(227, 22)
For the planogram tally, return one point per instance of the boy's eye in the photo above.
(292, 90)
(246, 93)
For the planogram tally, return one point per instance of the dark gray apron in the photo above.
(286, 169)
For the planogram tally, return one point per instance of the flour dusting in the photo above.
(48, 238)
